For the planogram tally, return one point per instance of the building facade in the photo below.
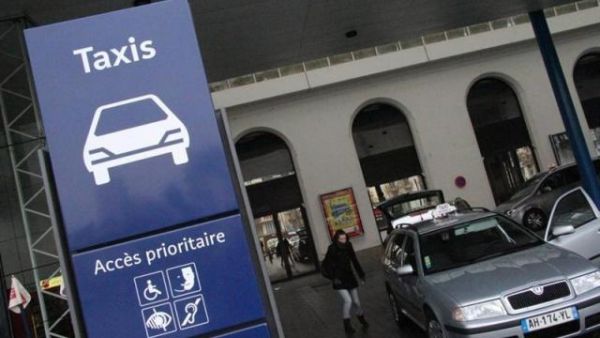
(313, 113)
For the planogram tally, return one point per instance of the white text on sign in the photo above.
(163, 251)
(101, 60)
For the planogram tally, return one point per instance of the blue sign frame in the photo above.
(148, 194)
(135, 143)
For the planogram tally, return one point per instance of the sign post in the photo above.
(153, 223)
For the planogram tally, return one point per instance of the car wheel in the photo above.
(399, 317)
(101, 176)
(180, 157)
(534, 219)
(434, 328)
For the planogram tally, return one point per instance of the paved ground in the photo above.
(309, 307)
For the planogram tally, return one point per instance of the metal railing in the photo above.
(25, 136)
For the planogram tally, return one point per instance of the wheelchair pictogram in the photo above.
(151, 292)
(151, 288)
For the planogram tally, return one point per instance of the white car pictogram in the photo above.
(133, 130)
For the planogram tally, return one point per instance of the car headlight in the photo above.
(585, 283)
(489, 309)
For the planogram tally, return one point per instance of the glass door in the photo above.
(504, 175)
(286, 244)
(300, 257)
(269, 237)
(508, 170)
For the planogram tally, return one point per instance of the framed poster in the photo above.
(341, 212)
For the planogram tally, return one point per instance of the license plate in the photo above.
(549, 319)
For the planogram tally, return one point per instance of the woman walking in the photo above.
(337, 266)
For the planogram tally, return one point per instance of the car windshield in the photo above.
(129, 115)
(473, 242)
(406, 207)
(528, 187)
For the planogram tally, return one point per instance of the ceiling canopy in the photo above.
(244, 36)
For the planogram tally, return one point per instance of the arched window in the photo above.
(277, 205)
(386, 152)
(587, 81)
(502, 136)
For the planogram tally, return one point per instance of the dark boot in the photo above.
(363, 321)
(348, 327)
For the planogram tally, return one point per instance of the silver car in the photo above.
(480, 274)
(532, 204)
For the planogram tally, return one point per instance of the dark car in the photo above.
(406, 208)
(406, 204)
(532, 204)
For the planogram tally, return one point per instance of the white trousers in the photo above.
(350, 298)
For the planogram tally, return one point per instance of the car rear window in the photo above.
(129, 115)
(407, 207)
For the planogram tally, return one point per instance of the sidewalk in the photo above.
(309, 307)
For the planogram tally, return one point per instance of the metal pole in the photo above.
(565, 105)
(66, 269)
(19, 188)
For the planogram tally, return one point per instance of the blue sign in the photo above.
(182, 283)
(153, 226)
(129, 123)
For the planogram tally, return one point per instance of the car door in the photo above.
(391, 262)
(576, 208)
(411, 288)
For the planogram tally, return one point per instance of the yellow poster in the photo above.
(341, 212)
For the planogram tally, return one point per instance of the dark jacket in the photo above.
(341, 258)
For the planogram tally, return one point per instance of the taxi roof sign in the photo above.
(442, 210)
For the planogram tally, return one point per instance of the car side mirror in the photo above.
(563, 230)
(404, 270)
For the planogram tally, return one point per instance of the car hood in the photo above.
(507, 274)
